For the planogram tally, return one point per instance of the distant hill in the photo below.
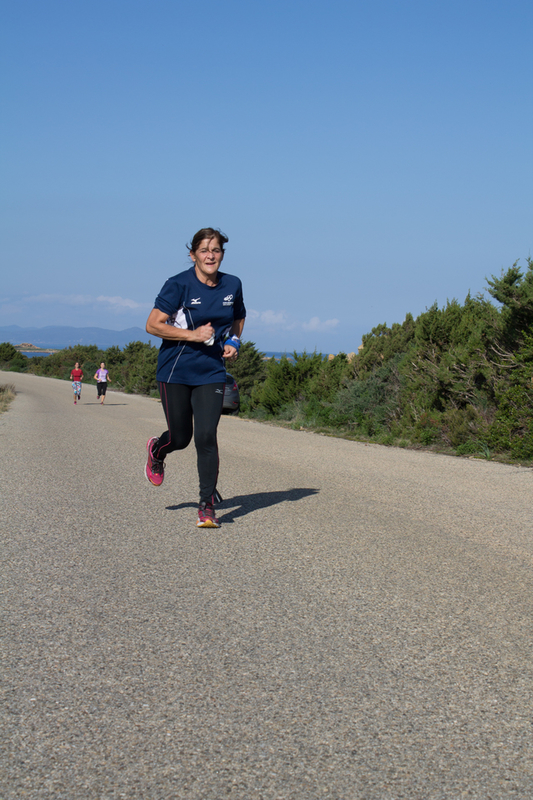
(58, 337)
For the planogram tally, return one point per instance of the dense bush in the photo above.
(7, 352)
(370, 405)
(249, 370)
(301, 378)
(11, 359)
(457, 377)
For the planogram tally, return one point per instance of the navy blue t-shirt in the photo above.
(189, 304)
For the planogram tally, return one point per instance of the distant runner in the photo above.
(194, 313)
(76, 376)
(102, 378)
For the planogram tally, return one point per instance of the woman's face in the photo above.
(76, 365)
(102, 365)
(207, 259)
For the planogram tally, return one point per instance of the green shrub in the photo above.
(369, 404)
(286, 381)
(113, 356)
(7, 352)
(427, 428)
(19, 363)
(249, 370)
(461, 425)
(512, 429)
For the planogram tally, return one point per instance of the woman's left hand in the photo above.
(229, 352)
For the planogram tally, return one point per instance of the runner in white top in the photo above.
(101, 376)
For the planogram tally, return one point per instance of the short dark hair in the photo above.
(207, 233)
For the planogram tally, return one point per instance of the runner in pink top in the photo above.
(76, 376)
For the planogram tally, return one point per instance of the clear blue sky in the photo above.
(366, 159)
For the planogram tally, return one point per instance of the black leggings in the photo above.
(183, 405)
(101, 387)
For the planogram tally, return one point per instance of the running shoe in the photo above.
(206, 516)
(154, 469)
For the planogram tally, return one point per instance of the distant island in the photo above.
(27, 347)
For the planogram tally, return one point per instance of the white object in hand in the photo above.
(211, 340)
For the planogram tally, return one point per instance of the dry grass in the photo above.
(7, 394)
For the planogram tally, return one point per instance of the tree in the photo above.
(331, 375)
(113, 356)
(287, 381)
(514, 290)
(140, 367)
(382, 344)
(7, 351)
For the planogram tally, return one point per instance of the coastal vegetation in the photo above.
(456, 379)
(132, 369)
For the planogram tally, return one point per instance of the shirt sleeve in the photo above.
(170, 298)
(239, 310)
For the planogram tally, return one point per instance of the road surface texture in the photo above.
(360, 627)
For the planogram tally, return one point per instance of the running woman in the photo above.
(199, 314)
(101, 376)
(76, 376)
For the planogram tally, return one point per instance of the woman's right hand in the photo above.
(204, 333)
(156, 324)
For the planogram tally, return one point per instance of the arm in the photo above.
(235, 330)
(156, 324)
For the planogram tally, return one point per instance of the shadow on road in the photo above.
(251, 502)
(95, 403)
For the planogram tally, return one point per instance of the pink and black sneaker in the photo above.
(154, 469)
(206, 516)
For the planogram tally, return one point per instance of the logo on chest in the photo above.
(195, 301)
(228, 300)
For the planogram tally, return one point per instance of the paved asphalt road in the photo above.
(360, 627)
